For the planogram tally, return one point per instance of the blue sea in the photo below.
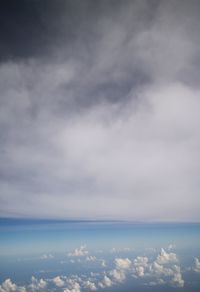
(49, 255)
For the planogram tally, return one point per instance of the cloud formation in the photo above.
(196, 265)
(177, 279)
(37, 284)
(118, 275)
(79, 252)
(122, 263)
(106, 282)
(46, 256)
(164, 257)
(8, 286)
(141, 270)
(140, 263)
(99, 110)
(89, 285)
(58, 281)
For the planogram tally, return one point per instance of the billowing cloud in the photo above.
(140, 263)
(99, 110)
(143, 270)
(118, 275)
(164, 257)
(37, 284)
(196, 267)
(122, 263)
(90, 285)
(72, 284)
(58, 281)
(163, 269)
(106, 282)
(79, 252)
(121, 266)
(8, 286)
(177, 279)
(160, 270)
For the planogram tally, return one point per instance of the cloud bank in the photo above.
(142, 270)
(99, 114)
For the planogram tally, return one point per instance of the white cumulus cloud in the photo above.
(177, 279)
(9, 286)
(122, 263)
(196, 267)
(78, 252)
(90, 285)
(117, 275)
(106, 282)
(73, 286)
(164, 257)
(37, 284)
(140, 263)
(58, 281)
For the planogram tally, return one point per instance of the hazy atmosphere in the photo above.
(99, 145)
(99, 109)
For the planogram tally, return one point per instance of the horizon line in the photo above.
(80, 220)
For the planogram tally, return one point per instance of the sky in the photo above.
(60, 256)
(99, 109)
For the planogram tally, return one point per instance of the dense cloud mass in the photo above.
(99, 109)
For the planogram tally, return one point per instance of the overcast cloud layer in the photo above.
(99, 109)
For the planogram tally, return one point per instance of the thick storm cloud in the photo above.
(99, 109)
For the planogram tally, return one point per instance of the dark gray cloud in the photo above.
(99, 109)
(33, 28)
